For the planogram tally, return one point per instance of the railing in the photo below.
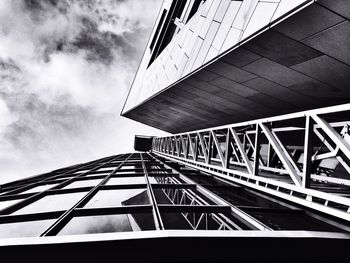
(302, 157)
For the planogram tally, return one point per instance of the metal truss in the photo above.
(302, 157)
(189, 196)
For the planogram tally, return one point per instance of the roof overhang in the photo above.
(300, 63)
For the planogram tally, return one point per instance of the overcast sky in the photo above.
(65, 69)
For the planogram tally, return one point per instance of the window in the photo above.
(52, 203)
(25, 229)
(126, 180)
(114, 198)
(108, 224)
(83, 183)
(168, 28)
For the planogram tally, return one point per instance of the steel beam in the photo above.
(303, 185)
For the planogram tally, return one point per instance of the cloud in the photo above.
(65, 69)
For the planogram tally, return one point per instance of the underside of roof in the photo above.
(301, 63)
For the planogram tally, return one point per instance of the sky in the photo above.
(65, 69)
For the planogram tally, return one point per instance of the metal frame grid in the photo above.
(302, 157)
(196, 205)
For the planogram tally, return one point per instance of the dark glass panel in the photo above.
(289, 220)
(175, 221)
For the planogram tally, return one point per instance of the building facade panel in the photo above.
(283, 56)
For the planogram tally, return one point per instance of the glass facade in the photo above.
(140, 192)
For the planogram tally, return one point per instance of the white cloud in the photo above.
(64, 74)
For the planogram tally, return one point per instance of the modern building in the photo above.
(258, 166)
(211, 63)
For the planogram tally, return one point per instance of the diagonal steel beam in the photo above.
(217, 144)
(281, 154)
(287, 154)
(332, 134)
(191, 147)
(242, 151)
(204, 150)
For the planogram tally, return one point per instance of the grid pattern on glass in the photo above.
(83, 183)
(108, 224)
(113, 198)
(24, 229)
(39, 188)
(52, 203)
(5, 204)
(126, 180)
(164, 197)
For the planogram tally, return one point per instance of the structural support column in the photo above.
(257, 149)
(307, 164)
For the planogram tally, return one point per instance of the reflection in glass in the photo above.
(129, 172)
(175, 221)
(108, 224)
(24, 229)
(292, 221)
(5, 204)
(39, 188)
(191, 220)
(161, 197)
(83, 183)
(161, 179)
(106, 169)
(127, 167)
(52, 203)
(203, 221)
(110, 198)
(126, 180)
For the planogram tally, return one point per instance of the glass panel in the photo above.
(199, 221)
(97, 224)
(134, 171)
(106, 169)
(127, 167)
(161, 197)
(160, 179)
(108, 224)
(52, 203)
(5, 204)
(99, 174)
(25, 229)
(83, 183)
(39, 188)
(126, 180)
(292, 221)
(204, 221)
(175, 221)
(110, 198)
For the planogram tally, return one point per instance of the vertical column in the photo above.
(257, 149)
(156, 214)
(308, 142)
(228, 152)
(210, 148)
